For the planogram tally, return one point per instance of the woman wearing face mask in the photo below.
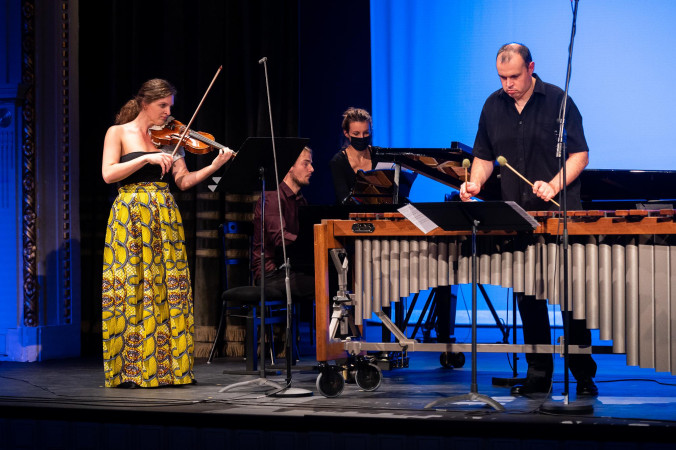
(354, 156)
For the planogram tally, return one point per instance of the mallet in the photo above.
(503, 162)
(465, 165)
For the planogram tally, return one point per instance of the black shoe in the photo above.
(127, 385)
(587, 387)
(532, 386)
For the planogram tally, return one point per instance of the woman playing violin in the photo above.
(148, 320)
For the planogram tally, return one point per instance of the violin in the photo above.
(197, 142)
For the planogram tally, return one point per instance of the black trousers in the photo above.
(302, 285)
(536, 330)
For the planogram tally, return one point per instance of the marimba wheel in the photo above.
(452, 359)
(330, 383)
(458, 360)
(445, 360)
(368, 377)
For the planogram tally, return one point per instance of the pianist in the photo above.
(519, 122)
(302, 284)
(354, 156)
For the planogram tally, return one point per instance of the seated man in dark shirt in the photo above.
(302, 284)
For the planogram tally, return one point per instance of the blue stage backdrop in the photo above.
(433, 65)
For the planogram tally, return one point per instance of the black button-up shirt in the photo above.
(528, 141)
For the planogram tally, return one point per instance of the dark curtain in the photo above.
(335, 73)
(124, 43)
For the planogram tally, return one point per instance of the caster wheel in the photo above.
(349, 375)
(458, 360)
(330, 383)
(445, 360)
(450, 359)
(368, 377)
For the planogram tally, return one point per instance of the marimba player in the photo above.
(519, 122)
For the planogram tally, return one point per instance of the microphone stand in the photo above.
(286, 391)
(566, 407)
(261, 380)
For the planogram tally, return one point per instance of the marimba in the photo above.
(622, 276)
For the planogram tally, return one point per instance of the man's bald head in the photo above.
(507, 51)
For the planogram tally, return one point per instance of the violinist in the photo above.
(148, 323)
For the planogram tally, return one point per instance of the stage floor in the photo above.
(634, 405)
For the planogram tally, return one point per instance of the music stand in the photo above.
(475, 216)
(381, 186)
(256, 155)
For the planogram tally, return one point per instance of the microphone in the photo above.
(503, 162)
(262, 60)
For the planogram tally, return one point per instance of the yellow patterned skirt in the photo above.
(148, 323)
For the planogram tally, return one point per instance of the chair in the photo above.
(244, 301)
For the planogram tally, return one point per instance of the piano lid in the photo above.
(440, 164)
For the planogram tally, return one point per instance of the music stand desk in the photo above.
(456, 216)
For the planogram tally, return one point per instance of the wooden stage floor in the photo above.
(636, 408)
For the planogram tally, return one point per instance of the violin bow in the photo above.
(187, 127)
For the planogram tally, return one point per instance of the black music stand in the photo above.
(256, 156)
(475, 216)
(381, 186)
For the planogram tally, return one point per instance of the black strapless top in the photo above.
(148, 173)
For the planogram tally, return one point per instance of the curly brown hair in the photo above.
(150, 91)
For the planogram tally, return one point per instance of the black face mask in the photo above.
(360, 144)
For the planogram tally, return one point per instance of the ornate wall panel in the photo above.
(64, 150)
(28, 140)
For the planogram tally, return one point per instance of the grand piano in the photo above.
(444, 165)
(605, 189)
(609, 189)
